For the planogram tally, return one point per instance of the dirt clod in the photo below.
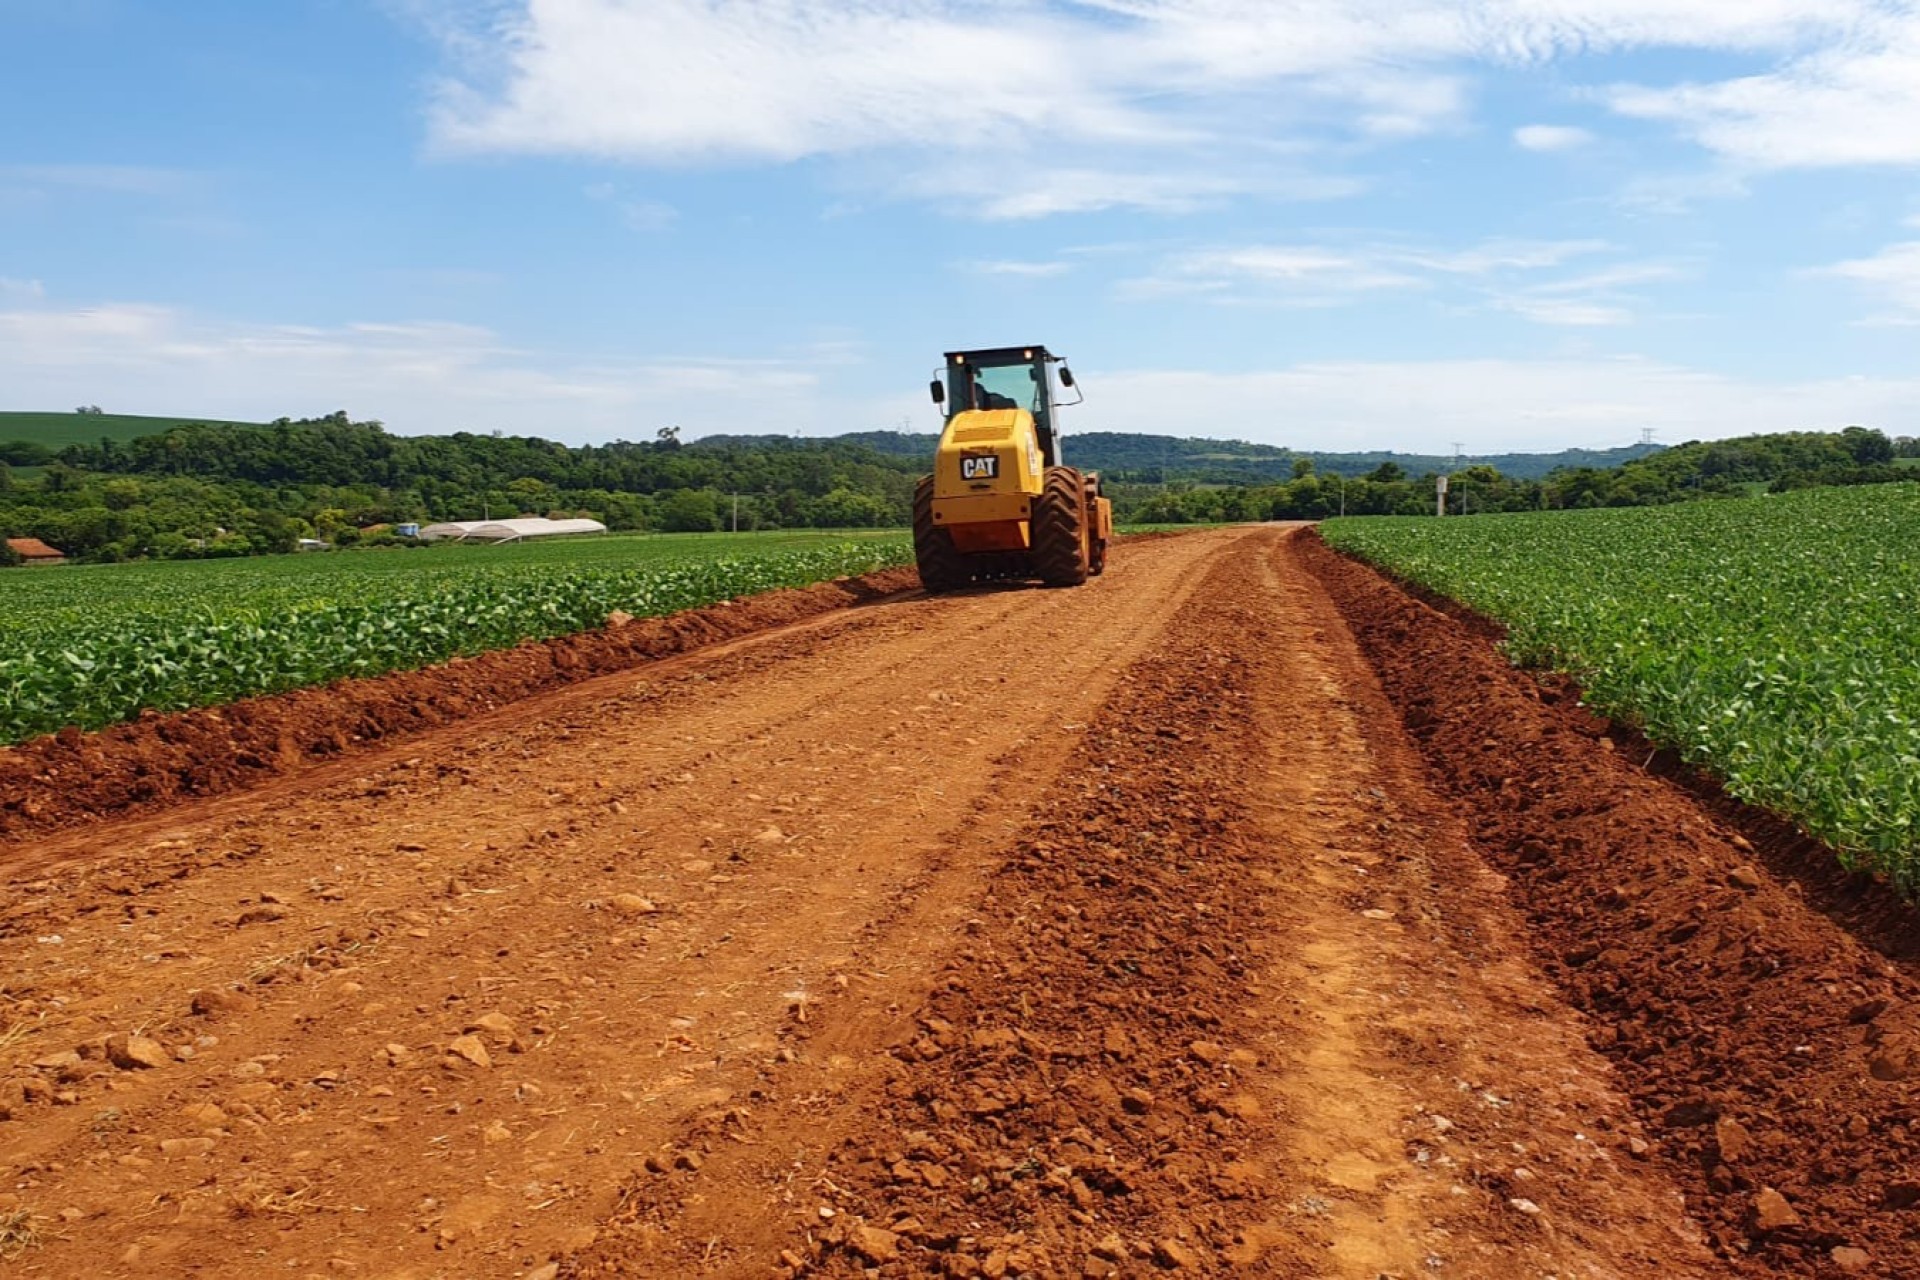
(220, 1003)
(131, 1053)
(470, 1049)
(1174, 1255)
(1771, 1212)
(1732, 1139)
(876, 1245)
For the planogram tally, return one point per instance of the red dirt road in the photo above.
(1114, 931)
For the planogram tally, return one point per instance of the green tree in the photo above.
(846, 509)
(1867, 447)
(690, 511)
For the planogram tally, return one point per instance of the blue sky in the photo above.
(1323, 223)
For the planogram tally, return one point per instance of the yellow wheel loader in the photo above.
(1000, 504)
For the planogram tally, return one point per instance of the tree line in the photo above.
(1740, 467)
(220, 490)
(223, 490)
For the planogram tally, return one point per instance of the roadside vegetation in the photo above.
(95, 645)
(1772, 640)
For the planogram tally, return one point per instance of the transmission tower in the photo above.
(1646, 435)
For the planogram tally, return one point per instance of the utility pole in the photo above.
(736, 513)
(1440, 495)
(1343, 492)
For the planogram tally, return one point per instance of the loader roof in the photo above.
(1002, 355)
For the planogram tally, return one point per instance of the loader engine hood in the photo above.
(988, 452)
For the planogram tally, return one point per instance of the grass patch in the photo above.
(19, 1031)
(58, 430)
(17, 1233)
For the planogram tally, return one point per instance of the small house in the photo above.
(34, 551)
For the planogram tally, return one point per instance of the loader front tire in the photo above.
(1060, 529)
(941, 566)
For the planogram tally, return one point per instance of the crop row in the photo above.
(192, 641)
(1773, 640)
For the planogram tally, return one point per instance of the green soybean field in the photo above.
(95, 645)
(1774, 640)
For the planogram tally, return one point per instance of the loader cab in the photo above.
(1005, 378)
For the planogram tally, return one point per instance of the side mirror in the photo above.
(1066, 376)
(938, 390)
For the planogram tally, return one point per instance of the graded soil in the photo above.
(155, 762)
(1134, 929)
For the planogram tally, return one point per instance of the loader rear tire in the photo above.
(941, 566)
(1060, 529)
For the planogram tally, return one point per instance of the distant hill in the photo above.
(1120, 455)
(1129, 456)
(56, 431)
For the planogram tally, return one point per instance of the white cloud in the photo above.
(1547, 309)
(1854, 102)
(1164, 106)
(648, 215)
(1501, 255)
(1593, 300)
(1023, 190)
(1503, 274)
(1893, 273)
(774, 79)
(432, 376)
(1132, 89)
(1664, 194)
(1023, 270)
(639, 214)
(1300, 275)
(1492, 405)
(21, 290)
(426, 376)
(1551, 137)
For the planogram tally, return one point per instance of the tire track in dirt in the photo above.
(1179, 1030)
(159, 761)
(1774, 1057)
(448, 1003)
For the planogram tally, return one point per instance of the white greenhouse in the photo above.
(507, 530)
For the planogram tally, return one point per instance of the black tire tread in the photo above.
(1059, 529)
(941, 566)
